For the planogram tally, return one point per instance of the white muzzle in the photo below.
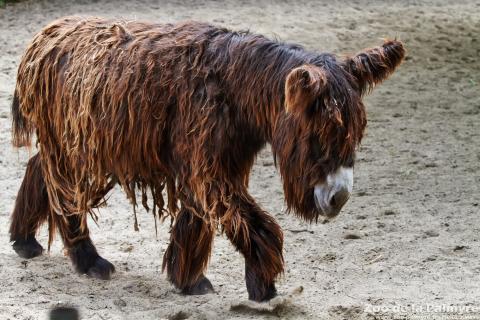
(332, 195)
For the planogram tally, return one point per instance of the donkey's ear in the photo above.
(302, 86)
(372, 66)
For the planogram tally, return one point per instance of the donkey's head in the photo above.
(316, 137)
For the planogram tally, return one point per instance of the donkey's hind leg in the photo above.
(187, 255)
(31, 210)
(80, 248)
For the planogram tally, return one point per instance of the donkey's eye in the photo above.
(316, 149)
(314, 108)
(350, 161)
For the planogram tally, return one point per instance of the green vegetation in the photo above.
(4, 2)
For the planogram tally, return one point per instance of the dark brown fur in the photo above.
(184, 109)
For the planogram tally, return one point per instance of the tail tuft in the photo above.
(21, 127)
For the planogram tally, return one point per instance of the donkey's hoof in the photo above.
(101, 269)
(86, 260)
(270, 294)
(203, 286)
(262, 294)
(27, 249)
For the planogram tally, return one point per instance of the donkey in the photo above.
(184, 108)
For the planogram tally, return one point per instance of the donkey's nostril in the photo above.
(339, 198)
(333, 201)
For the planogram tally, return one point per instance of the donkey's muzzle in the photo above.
(332, 207)
(331, 196)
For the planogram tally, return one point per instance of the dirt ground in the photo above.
(414, 214)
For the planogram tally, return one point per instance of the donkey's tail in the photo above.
(21, 128)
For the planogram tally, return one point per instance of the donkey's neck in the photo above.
(255, 72)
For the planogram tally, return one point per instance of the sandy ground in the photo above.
(415, 209)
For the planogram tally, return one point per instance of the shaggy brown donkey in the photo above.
(184, 108)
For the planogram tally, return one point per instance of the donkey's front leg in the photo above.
(187, 255)
(259, 238)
